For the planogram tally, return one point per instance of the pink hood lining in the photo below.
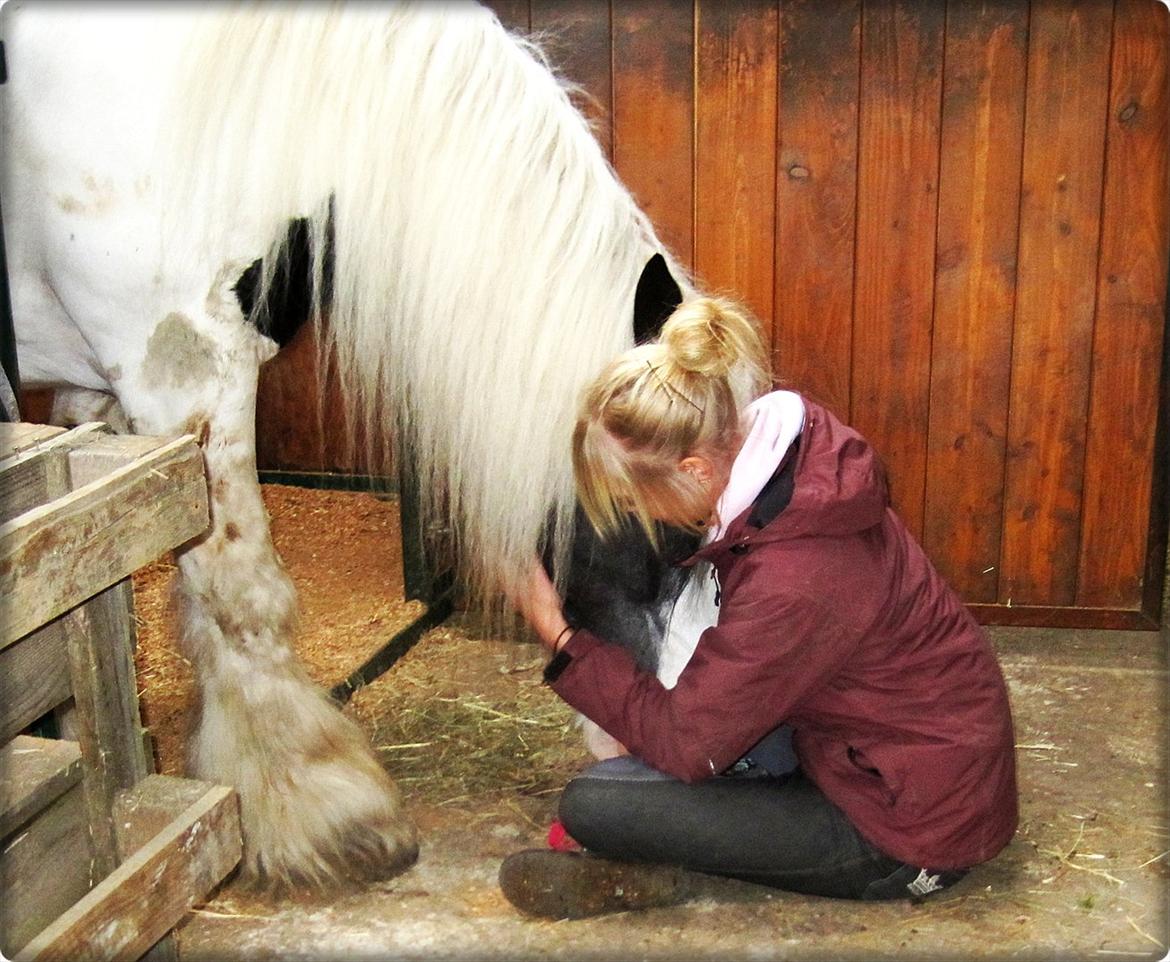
(770, 425)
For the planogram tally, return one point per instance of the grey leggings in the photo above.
(775, 830)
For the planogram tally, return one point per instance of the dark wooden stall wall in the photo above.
(952, 220)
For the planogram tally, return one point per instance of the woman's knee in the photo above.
(583, 809)
(592, 801)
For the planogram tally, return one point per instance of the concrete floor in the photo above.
(1087, 876)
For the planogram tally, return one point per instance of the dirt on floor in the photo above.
(482, 749)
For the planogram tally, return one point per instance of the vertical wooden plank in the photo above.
(901, 89)
(1131, 312)
(34, 679)
(816, 193)
(653, 108)
(577, 37)
(513, 14)
(288, 432)
(1068, 82)
(300, 418)
(44, 869)
(975, 283)
(101, 642)
(735, 151)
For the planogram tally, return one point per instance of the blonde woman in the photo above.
(832, 626)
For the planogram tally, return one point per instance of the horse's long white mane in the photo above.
(486, 255)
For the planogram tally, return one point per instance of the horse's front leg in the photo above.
(315, 803)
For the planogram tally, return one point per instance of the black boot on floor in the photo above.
(576, 885)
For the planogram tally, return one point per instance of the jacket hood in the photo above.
(770, 425)
(838, 486)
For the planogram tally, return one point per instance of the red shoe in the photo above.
(561, 841)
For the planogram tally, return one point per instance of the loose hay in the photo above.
(481, 749)
(463, 715)
(446, 737)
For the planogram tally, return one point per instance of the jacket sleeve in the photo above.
(743, 680)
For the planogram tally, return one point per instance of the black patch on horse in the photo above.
(289, 299)
(623, 589)
(655, 299)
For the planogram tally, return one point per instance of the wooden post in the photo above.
(101, 641)
(81, 510)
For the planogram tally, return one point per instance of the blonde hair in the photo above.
(663, 401)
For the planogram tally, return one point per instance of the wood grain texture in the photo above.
(300, 416)
(100, 640)
(18, 437)
(34, 773)
(735, 153)
(44, 869)
(975, 287)
(577, 37)
(816, 195)
(653, 109)
(513, 14)
(133, 907)
(38, 467)
(1068, 82)
(34, 678)
(1131, 316)
(54, 556)
(897, 196)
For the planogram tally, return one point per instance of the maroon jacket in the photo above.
(833, 620)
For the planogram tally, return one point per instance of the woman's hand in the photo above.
(535, 597)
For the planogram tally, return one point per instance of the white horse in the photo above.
(480, 262)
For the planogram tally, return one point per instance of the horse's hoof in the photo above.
(316, 808)
(330, 847)
(366, 855)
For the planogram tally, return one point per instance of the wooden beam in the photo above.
(18, 437)
(816, 197)
(1052, 340)
(54, 556)
(34, 772)
(150, 892)
(101, 642)
(735, 152)
(34, 678)
(1121, 458)
(35, 473)
(653, 114)
(44, 869)
(897, 205)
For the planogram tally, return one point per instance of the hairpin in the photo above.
(671, 388)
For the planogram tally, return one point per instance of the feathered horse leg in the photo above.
(315, 803)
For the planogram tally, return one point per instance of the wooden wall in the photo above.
(952, 219)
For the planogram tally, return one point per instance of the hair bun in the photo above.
(709, 336)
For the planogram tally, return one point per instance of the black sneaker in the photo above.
(909, 881)
(577, 885)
